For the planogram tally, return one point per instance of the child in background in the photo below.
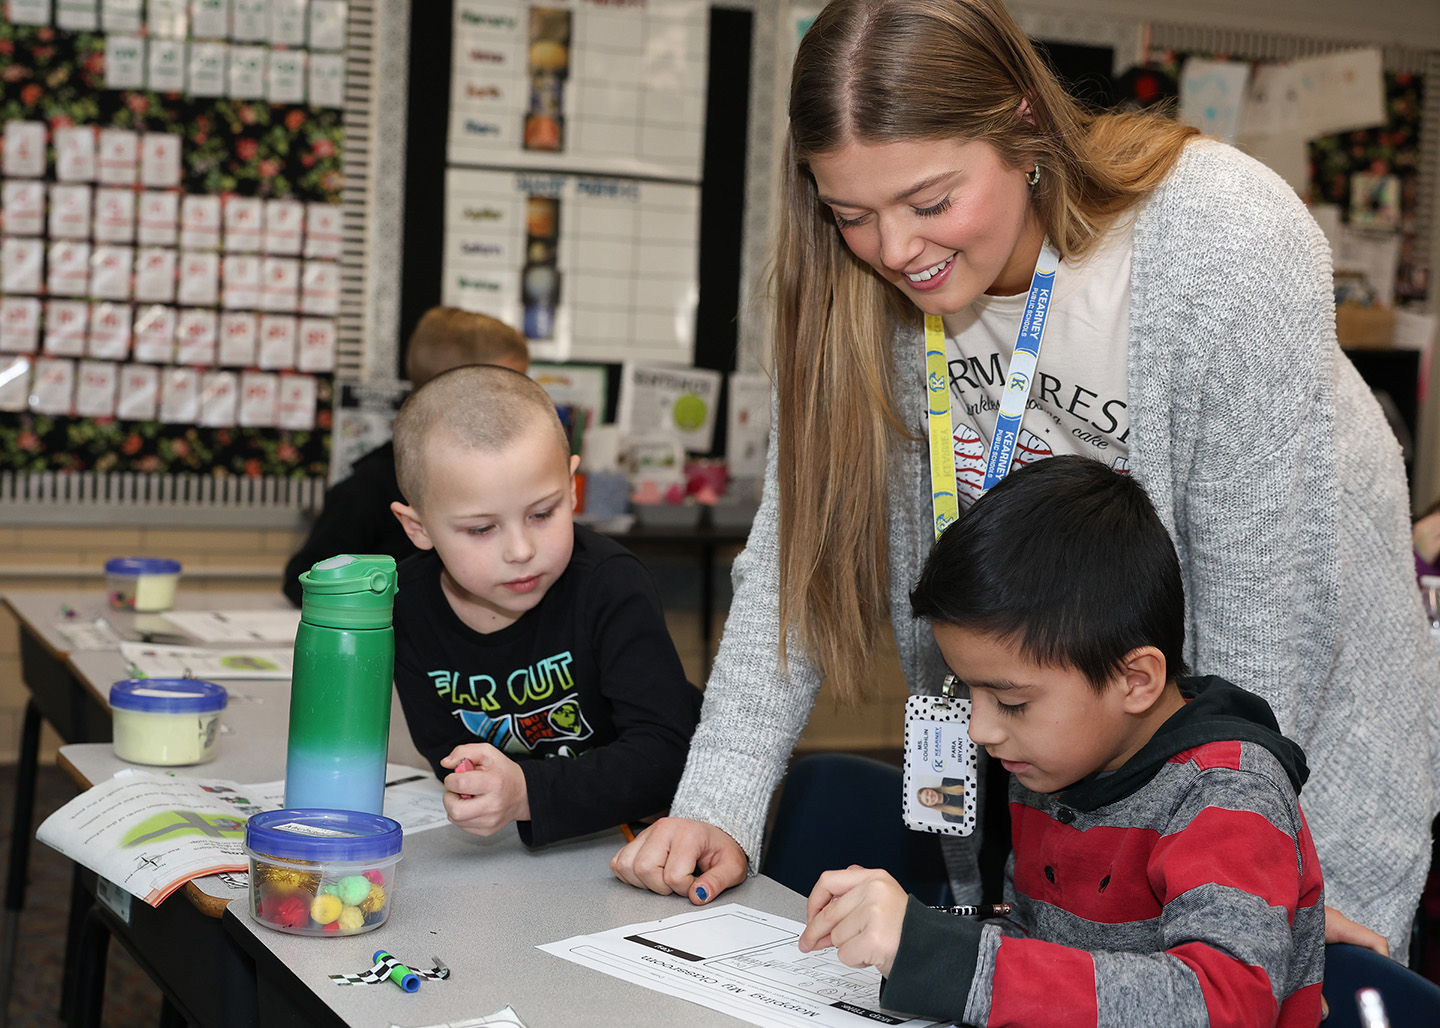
(521, 635)
(355, 517)
(1162, 872)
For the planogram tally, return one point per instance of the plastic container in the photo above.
(166, 721)
(142, 583)
(320, 871)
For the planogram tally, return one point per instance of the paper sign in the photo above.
(327, 24)
(159, 218)
(68, 273)
(247, 72)
(258, 395)
(70, 212)
(199, 278)
(285, 77)
(139, 393)
(95, 389)
(24, 201)
(1211, 95)
(326, 81)
(119, 157)
(29, 12)
(19, 324)
(209, 19)
(179, 396)
(277, 342)
(160, 160)
(279, 283)
(196, 336)
(1341, 91)
(322, 230)
(244, 223)
(207, 69)
(114, 215)
(748, 433)
(200, 222)
(53, 391)
(320, 288)
(287, 22)
(241, 273)
(125, 62)
(283, 222)
(14, 384)
(251, 21)
(110, 331)
(165, 66)
(120, 16)
(316, 345)
(67, 324)
(25, 149)
(155, 275)
(75, 153)
(110, 268)
(77, 15)
(660, 400)
(168, 19)
(155, 334)
(239, 334)
(296, 403)
(23, 262)
(219, 398)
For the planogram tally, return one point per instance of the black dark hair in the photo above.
(1068, 560)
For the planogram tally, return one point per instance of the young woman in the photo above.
(934, 162)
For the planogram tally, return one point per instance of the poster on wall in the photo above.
(615, 88)
(588, 267)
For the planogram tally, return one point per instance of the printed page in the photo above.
(742, 962)
(236, 626)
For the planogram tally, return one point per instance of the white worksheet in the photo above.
(740, 961)
(234, 626)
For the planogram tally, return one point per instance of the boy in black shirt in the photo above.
(519, 634)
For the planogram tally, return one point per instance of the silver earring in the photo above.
(1033, 177)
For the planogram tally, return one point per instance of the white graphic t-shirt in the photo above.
(1078, 401)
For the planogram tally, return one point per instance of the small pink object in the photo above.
(675, 494)
(706, 495)
(466, 764)
(647, 492)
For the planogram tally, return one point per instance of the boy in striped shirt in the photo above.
(1162, 872)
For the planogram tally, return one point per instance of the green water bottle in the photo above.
(340, 695)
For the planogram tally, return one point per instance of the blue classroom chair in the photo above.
(838, 809)
(1411, 1001)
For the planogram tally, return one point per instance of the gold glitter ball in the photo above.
(375, 901)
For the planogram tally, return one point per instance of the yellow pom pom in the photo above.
(351, 920)
(325, 909)
(375, 901)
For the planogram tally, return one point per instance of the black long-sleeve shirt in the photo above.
(589, 679)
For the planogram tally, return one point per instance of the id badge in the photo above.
(941, 765)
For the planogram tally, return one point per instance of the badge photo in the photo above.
(941, 764)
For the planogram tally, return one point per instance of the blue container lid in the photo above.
(323, 834)
(142, 566)
(168, 696)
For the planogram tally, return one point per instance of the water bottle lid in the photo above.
(349, 591)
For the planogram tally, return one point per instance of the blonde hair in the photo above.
(479, 406)
(447, 337)
(879, 71)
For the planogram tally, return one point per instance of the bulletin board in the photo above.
(170, 236)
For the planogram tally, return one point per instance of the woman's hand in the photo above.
(860, 912)
(1339, 928)
(676, 854)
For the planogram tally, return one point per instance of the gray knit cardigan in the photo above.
(1272, 466)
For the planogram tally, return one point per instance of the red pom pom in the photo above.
(291, 912)
(332, 927)
(375, 877)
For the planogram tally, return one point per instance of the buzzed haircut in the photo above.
(1068, 561)
(479, 406)
(447, 337)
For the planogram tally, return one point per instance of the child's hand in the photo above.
(859, 911)
(486, 795)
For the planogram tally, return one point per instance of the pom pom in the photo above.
(325, 909)
(290, 912)
(351, 920)
(375, 901)
(375, 876)
(352, 889)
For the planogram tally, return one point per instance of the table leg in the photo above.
(707, 606)
(19, 869)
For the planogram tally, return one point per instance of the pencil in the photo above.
(629, 832)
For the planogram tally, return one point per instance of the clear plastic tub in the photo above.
(317, 871)
(142, 583)
(166, 721)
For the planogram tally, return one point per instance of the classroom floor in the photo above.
(131, 999)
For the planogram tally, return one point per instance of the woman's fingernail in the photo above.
(701, 894)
